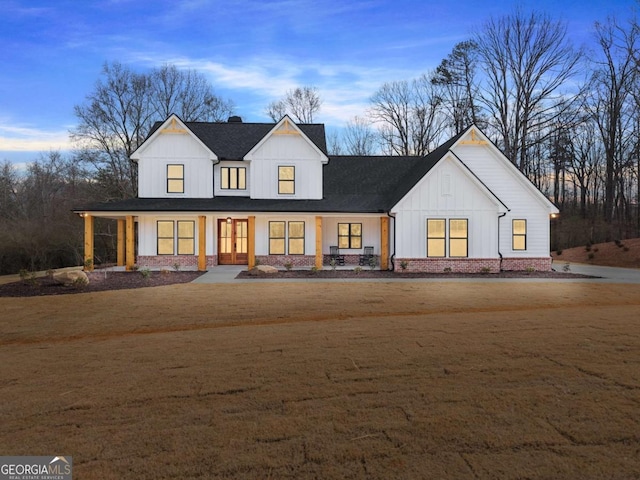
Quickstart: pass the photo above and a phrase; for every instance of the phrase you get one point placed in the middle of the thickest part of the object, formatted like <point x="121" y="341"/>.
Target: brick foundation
<point x="523" y="264"/>
<point x="472" y="265"/>
<point x="188" y="262"/>
<point x="282" y="260"/>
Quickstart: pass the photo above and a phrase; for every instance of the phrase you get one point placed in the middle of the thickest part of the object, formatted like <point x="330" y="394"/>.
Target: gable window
<point x="519" y="229"/>
<point x="165" y="237"/>
<point x="436" y="237"/>
<point x="186" y="237"/>
<point x="349" y="235"/>
<point x="276" y="238"/>
<point x="458" y="237"/>
<point x="175" y="178"/>
<point x="296" y="238"/>
<point x="286" y="180"/>
<point x="233" y="178"/>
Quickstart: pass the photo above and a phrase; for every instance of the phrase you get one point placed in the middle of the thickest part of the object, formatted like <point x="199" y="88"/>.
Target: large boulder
<point x="263" y="270"/>
<point x="71" y="277"/>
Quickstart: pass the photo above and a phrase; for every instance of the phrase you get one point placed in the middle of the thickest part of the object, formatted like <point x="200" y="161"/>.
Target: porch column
<point x="384" y="243"/>
<point x="319" y="243"/>
<point x="120" y="252"/>
<point x="202" y="243"/>
<point x="130" y="258"/>
<point x="88" y="242"/>
<point x="251" y="241"/>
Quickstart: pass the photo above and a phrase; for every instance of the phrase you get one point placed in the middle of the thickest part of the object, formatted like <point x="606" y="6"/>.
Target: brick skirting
<point x="169" y="261"/>
<point x="471" y="265"/>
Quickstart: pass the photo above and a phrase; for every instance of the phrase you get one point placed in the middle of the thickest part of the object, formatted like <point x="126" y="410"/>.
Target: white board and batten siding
<point x="370" y="232"/>
<point x="517" y="193"/>
<point x="448" y="191"/>
<point x="287" y="150"/>
<point x="175" y="149"/>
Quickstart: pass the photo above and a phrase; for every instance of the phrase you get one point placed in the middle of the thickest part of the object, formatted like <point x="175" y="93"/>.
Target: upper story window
<point x="349" y="235"/>
<point x="233" y="178"/>
<point x="175" y="178"/>
<point x="519" y="228"/>
<point x="286" y="180"/>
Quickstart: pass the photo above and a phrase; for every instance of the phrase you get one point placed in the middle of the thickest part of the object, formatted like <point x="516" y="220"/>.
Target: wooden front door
<point x="233" y="242"/>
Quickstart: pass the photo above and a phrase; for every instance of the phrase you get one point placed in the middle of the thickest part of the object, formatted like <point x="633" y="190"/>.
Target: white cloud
<point x="18" y="138"/>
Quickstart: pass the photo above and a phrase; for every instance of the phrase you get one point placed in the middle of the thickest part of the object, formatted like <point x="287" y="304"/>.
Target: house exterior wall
<point x="518" y="195"/>
<point x="446" y="192"/>
<point x="171" y="149"/>
<point x="286" y="150"/>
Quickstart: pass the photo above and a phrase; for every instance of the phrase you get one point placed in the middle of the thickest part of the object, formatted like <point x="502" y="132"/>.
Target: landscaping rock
<point x="263" y="270"/>
<point x="71" y="277"/>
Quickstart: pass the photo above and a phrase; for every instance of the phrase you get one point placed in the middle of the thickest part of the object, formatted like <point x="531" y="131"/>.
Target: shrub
<point x="559" y="252"/>
<point x="314" y="269"/>
<point x="176" y="267"/>
<point x="530" y="269"/>
<point x="404" y="264"/>
<point x="447" y="269"/>
<point x="145" y="272"/>
<point x="88" y="264"/>
<point x="566" y="267"/>
<point x="485" y="270"/>
<point x="587" y="248"/>
<point x="333" y="263"/>
<point x="595" y="249"/>
<point x="79" y="283"/>
<point x="288" y="266"/>
<point x="591" y="256"/>
<point x="617" y="242"/>
<point x="357" y="270"/>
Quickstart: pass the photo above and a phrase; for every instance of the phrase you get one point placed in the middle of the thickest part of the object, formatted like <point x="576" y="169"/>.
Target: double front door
<point x="233" y="241"/>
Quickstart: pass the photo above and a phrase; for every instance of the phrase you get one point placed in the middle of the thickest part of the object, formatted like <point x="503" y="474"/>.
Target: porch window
<point x="175" y="178"/>
<point x="349" y="235"/>
<point x="276" y="238"/>
<point x="165" y="237"/>
<point x="436" y="236"/>
<point x="519" y="229"/>
<point x="296" y="238"/>
<point x="233" y="178"/>
<point x="286" y="180"/>
<point x="458" y="237"/>
<point x="186" y="237"/>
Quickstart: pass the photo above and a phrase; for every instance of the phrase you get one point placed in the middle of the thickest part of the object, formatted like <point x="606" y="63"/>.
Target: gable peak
<point x="286" y="127"/>
<point x="473" y="137"/>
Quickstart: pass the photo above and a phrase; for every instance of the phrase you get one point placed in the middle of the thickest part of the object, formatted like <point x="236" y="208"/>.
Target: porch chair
<point x="366" y="257"/>
<point x="334" y="253"/>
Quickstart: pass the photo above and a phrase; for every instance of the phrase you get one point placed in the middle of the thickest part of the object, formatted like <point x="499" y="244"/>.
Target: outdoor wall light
<point x="229" y="220"/>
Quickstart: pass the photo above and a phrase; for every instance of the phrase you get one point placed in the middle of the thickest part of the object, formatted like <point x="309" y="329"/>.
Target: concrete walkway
<point x="227" y="274"/>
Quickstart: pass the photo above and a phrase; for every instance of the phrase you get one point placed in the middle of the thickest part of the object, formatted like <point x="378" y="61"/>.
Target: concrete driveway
<point x="606" y="274"/>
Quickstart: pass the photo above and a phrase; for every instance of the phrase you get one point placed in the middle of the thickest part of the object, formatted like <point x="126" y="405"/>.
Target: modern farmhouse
<point x="245" y="193"/>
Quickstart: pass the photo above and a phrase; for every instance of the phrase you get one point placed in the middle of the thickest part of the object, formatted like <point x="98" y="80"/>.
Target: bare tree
<point x="611" y="102"/>
<point x="526" y="60"/>
<point x="302" y="103"/>
<point x="188" y="94"/>
<point x="359" y="137"/>
<point x="409" y="116"/>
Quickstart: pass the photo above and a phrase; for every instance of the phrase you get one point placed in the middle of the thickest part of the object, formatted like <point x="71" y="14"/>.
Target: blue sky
<point x="252" y="51"/>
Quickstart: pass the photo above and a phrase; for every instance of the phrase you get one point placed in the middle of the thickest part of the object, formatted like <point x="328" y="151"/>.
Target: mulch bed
<point x="382" y="274"/>
<point x="99" y="281"/>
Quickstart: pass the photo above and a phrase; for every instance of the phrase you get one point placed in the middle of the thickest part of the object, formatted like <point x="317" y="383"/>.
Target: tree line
<point x="568" y="118"/>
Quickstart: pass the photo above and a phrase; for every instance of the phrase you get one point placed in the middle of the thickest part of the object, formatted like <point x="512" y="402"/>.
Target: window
<point x="165" y="237"/>
<point x="349" y="235"/>
<point x="436" y="236"/>
<point x="276" y="238"/>
<point x="519" y="228"/>
<point x="233" y="178"/>
<point x="286" y="180"/>
<point x="175" y="178"/>
<point x="296" y="238"/>
<point x="186" y="230"/>
<point x="186" y="237"/>
<point x="458" y="238"/>
<point x="281" y="235"/>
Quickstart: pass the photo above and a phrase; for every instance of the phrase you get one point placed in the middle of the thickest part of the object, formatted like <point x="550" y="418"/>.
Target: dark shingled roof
<point x="357" y="184"/>
<point x="233" y="140"/>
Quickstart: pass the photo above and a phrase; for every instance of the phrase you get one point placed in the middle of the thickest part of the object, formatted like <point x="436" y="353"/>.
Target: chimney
<point x="235" y="119"/>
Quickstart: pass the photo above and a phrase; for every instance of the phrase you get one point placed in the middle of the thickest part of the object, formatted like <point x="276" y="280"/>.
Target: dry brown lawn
<point x="327" y="380"/>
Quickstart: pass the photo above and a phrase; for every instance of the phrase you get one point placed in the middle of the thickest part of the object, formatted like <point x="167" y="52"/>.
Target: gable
<point x="495" y="170"/>
<point x="449" y="187"/>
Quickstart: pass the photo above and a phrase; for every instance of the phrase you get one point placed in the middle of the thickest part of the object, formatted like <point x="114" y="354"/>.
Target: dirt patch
<point x="624" y="254"/>
<point x="385" y="380"/>
<point x="99" y="281"/>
